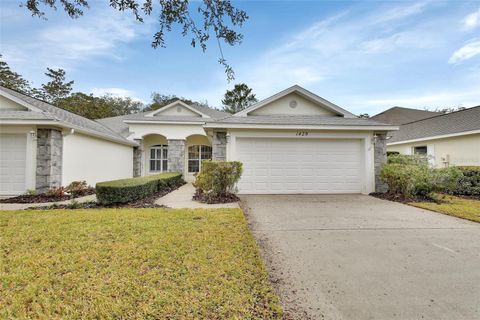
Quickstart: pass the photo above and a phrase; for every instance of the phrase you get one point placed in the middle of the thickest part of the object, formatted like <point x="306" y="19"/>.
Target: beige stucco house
<point x="447" y="139"/>
<point x="291" y="142"/>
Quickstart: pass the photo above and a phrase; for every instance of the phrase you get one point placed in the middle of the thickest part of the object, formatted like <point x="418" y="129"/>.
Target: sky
<point x="364" y="56"/>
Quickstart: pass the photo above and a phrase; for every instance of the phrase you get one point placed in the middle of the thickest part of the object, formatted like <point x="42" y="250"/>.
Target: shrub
<point x="447" y="180"/>
<point x="78" y="189"/>
<point x="407" y="180"/>
<point x="469" y="183"/>
<point x="56" y="192"/>
<point x="412" y="177"/>
<point x="127" y="190"/>
<point x="392" y="153"/>
<point x="218" y="178"/>
<point x="408" y="159"/>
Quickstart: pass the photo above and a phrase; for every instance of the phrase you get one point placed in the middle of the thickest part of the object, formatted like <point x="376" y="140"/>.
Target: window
<point x="196" y="154"/>
<point x="158" y="158"/>
<point x="422" y="150"/>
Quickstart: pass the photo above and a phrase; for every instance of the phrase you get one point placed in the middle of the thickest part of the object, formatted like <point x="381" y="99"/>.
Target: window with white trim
<point x="196" y="154"/>
<point x="421" y="150"/>
<point x="158" y="158"/>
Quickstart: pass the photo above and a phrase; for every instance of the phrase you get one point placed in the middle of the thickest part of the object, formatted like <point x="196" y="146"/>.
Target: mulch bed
<point x="213" y="199"/>
<point x="148" y="202"/>
<point x="42" y="197"/>
<point x="401" y="199"/>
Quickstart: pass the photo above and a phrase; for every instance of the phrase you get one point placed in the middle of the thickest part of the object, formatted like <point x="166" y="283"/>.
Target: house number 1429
<point x="302" y="133"/>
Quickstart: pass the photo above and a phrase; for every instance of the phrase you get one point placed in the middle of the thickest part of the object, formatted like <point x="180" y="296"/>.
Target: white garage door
<point x="12" y="163"/>
<point x="300" y="165"/>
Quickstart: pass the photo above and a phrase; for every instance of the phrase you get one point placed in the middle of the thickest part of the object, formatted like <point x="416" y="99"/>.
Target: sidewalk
<point x="182" y="198"/>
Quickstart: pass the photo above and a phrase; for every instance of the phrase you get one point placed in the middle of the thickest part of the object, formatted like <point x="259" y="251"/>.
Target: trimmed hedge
<point x="127" y="190"/>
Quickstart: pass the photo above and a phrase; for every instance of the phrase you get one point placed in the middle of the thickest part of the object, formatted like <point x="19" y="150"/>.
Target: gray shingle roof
<point x="215" y="114"/>
<point x="23" y="115"/>
<point x="300" y="120"/>
<point x="455" y="122"/>
<point x="118" y="125"/>
<point x="70" y="119"/>
<point x="399" y="115"/>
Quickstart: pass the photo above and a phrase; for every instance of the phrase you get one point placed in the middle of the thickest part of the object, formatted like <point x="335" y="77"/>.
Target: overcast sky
<point x="364" y="56"/>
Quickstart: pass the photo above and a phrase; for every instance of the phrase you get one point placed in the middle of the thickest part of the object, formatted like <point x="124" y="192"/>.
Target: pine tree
<point x="56" y="88"/>
<point x="12" y="80"/>
<point x="238" y="98"/>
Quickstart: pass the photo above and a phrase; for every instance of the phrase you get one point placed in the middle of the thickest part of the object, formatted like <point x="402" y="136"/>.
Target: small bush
<point x="79" y="188"/>
<point x="127" y="190"/>
<point x="408" y="159"/>
<point x="469" y="183"/>
<point x="446" y="180"/>
<point x="218" y="178"/>
<point x="407" y="180"/>
<point x="56" y="192"/>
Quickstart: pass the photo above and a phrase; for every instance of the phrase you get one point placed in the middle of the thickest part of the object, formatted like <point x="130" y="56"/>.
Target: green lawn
<point x="132" y="264"/>
<point x="454" y="206"/>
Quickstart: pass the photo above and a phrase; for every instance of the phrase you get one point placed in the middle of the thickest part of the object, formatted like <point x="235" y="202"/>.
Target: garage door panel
<point x="300" y="166"/>
<point x="12" y="163"/>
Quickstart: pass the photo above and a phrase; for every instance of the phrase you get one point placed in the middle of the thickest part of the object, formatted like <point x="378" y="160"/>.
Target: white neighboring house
<point x="293" y="142"/>
<point x="447" y="139"/>
<point x="42" y="146"/>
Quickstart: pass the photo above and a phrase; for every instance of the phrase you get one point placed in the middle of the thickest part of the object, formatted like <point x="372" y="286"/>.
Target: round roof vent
<point x="293" y="104"/>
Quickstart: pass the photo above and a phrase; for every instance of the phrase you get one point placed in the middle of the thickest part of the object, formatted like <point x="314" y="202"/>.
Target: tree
<point x="56" y="88"/>
<point x="160" y="100"/>
<point x="238" y="98"/>
<point x="12" y="80"/>
<point x="446" y="109"/>
<point x="217" y="17"/>
<point x="93" y="107"/>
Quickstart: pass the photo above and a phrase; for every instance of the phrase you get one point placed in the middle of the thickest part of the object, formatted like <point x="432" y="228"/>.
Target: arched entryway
<point x="156" y="153"/>
<point x="198" y="149"/>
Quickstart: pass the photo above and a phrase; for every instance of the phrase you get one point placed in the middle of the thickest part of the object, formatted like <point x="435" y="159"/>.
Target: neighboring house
<point x="400" y="115"/>
<point x="43" y="146"/>
<point x="292" y="142"/>
<point x="448" y="139"/>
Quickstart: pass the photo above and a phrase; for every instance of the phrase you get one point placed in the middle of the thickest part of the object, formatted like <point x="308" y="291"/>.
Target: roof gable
<point x="10" y="105"/>
<point x="179" y="109"/>
<point x="295" y="100"/>
<point x="9" y="101"/>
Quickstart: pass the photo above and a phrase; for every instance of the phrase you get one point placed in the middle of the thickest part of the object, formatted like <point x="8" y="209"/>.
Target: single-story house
<point x="447" y="139"/>
<point x="291" y="142"/>
<point x="42" y="146"/>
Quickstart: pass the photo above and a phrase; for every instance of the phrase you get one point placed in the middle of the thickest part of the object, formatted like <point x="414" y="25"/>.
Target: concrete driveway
<point x="358" y="257"/>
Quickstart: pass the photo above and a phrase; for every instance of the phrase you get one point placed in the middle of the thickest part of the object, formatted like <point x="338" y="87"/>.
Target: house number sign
<point x="302" y="133"/>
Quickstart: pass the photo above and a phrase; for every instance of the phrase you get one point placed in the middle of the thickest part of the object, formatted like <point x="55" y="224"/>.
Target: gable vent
<point x="293" y="104"/>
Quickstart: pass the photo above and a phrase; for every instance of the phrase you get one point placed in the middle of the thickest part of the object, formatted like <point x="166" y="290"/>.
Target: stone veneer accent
<point x="138" y="158"/>
<point x="49" y="159"/>
<point x="380" y="158"/>
<point x="176" y="155"/>
<point x="219" y="146"/>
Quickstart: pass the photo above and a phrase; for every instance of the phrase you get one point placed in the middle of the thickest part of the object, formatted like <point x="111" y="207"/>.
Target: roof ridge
<point x="442" y="114"/>
<point x="405" y="108"/>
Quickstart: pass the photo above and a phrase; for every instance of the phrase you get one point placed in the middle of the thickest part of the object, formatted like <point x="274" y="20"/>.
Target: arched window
<point x="158" y="158"/>
<point x="196" y="154"/>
